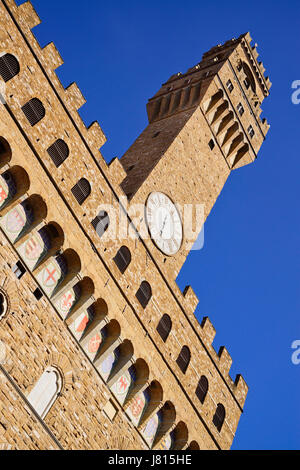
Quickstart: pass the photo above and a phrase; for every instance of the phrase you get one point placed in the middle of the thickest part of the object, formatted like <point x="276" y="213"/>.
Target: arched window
<point x="3" y="305"/>
<point x="9" y="67"/>
<point x="59" y="152"/>
<point x="249" y="80"/>
<point x="202" y="389"/>
<point x="164" y="327"/>
<point x="8" y="188"/>
<point x="183" y="359"/>
<point x="34" y="111"/>
<point x="219" y="417"/>
<point x="5" y="151"/>
<point x="193" y="446"/>
<point x="81" y="190"/>
<point x="101" y="223"/>
<point x="123" y="259"/>
<point x="45" y="391"/>
<point x="144" y="294"/>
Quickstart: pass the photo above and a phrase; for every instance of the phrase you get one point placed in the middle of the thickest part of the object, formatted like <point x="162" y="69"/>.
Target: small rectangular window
<point x="240" y="109"/>
<point x="246" y="83"/>
<point x="251" y="131"/>
<point x="38" y="294"/>
<point x="211" y="144"/>
<point x="19" y="270"/>
<point x="229" y="85"/>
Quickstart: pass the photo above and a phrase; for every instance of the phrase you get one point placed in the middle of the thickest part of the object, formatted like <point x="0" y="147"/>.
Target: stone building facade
<point x="99" y="348"/>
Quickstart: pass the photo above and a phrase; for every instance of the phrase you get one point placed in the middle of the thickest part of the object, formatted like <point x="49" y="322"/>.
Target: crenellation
<point x="241" y="390"/>
<point x="51" y="56"/>
<point x="74" y="97"/>
<point x="225" y="360"/>
<point x="26" y="14"/>
<point x="95" y="136"/>
<point x="190" y="299"/>
<point x="116" y="172"/>
<point x="208" y="330"/>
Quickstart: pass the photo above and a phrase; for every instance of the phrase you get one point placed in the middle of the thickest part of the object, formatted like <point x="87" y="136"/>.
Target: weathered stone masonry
<point x="40" y="331"/>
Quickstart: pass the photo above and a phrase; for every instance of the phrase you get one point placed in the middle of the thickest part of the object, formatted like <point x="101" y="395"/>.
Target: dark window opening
<point x="183" y="359"/>
<point x="81" y="190"/>
<point x="240" y="109"/>
<point x="155" y="135"/>
<point x="19" y="270"/>
<point x="251" y="131"/>
<point x="229" y="85"/>
<point x="58" y="152"/>
<point x="164" y="327"/>
<point x="249" y="80"/>
<point x="144" y="294"/>
<point x="38" y="294"/>
<point x="2" y="305"/>
<point x="101" y="223"/>
<point x="246" y="83"/>
<point x="9" y="67"/>
<point x="123" y="259"/>
<point x="2" y="148"/>
<point x="219" y="417"/>
<point x="52" y="230"/>
<point x="211" y="144"/>
<point x="34" y="111"/>
<point x="202" y="389"/>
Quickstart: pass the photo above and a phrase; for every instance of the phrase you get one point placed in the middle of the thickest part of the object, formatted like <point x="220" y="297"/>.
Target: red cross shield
<point x="50" y="276"/>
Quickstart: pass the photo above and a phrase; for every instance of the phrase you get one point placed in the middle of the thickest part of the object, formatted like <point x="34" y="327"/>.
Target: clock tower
<point x="203" y="124"/>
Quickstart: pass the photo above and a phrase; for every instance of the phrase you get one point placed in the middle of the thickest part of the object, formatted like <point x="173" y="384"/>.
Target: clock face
<point x="164" y="223"/>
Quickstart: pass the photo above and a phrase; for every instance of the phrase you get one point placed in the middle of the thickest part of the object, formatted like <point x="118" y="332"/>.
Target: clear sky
<point x="247" y="275"/>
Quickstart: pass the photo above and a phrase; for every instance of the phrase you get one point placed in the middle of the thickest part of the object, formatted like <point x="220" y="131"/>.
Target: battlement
<point x="185" y="90"/>
<point x="222" y="358"/>
<point x="50" y="59"/>
<point x="252" y="53"/>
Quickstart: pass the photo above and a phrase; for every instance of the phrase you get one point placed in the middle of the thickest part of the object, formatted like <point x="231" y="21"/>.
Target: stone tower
<point x="99" y="348"/>
<point x="202" y="125"/>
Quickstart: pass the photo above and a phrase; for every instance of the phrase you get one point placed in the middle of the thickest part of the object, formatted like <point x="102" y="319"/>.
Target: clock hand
<point x="163" y="226"/>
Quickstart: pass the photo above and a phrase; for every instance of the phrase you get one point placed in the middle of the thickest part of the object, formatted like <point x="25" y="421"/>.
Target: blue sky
<point x="247" y="275"/>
